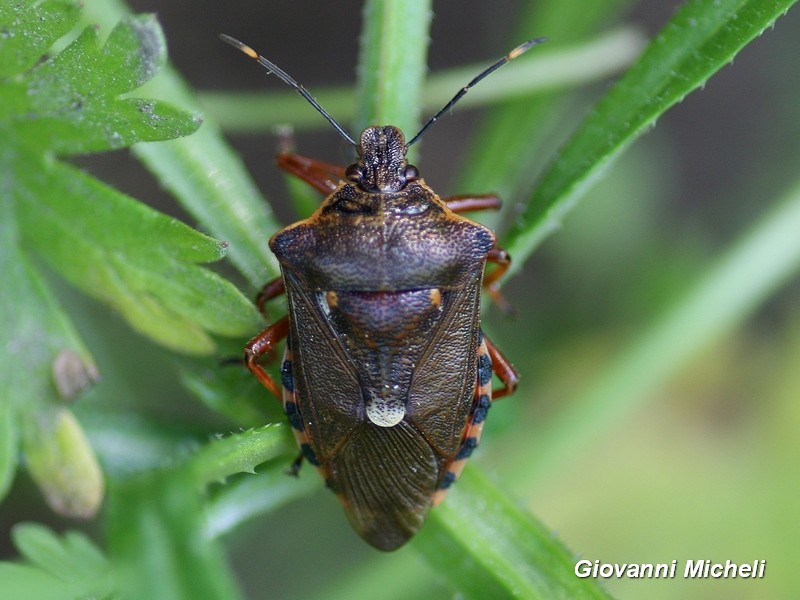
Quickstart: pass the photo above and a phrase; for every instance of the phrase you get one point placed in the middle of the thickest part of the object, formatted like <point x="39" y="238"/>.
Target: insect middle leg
<point x="262" y="344"/>
<point x="272" y="289"/>
<point x="504" y="370"/>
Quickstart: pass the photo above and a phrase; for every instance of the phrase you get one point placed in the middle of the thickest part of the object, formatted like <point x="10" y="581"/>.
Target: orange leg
<point x="498" y="256"/>
<point x="470" y="202"/>
<point x="323" y="176"/>
<point x="491" y="282"/>
<point x="503" y="369"/>
<point x="263" y="344"/>
<point x="272" y="289"/>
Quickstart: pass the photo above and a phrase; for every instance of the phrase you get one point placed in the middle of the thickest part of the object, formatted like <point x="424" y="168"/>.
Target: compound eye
<point x="354" y="173"/>
<point x="411" y="173"/>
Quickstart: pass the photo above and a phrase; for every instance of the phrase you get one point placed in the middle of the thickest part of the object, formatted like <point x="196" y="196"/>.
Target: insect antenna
<point x="485" y="73"/>
<point x="271" y="67"/>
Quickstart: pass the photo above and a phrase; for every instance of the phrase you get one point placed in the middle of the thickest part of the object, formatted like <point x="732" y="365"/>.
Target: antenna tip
<point x="240" y="45"/>
<point x="524" y="47"/>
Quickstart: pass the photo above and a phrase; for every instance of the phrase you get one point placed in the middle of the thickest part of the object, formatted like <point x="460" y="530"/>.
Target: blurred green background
<point x="703" y="464"/>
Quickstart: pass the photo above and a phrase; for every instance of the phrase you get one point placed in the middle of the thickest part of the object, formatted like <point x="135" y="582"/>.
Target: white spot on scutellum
<point x="385" y="410"/>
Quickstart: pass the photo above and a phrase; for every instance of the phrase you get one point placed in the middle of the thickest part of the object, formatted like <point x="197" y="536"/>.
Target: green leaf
<point x="700" y="39"/>
<point x="514" y="139"/>
<point x="502" y="551"/>
<point x="140" y="262"/>
<point x="130" y="443"/>
<point x="143" y="263"/>
<point x="36" y="335"/>
<point x="211" y="183"/>
<point x="232" y="392"/>
<point x="24" y="581"/>
<point x="70" y="104"/>
<point x="56" y="567"/>
<point x="129" y="256"/>
<point x="155" y="544"/>
<point x="239" y="453"/>
<point x="28" y="30"/>
<point x="71" y="557"/>
<point x="8" y="447"/>
<point x="35" y="330"/>
<point x="204" y="174"/>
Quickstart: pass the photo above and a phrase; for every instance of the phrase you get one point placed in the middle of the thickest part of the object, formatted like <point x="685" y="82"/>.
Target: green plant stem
<point x="155" y="544"/>
<point x="526" y="129"/>
<point x="392" y="63"/>
<point x="506" y="555"/>
<point x="749" y="273"/>
<point x="247" y="498"/>
<point x="699" y="40"/>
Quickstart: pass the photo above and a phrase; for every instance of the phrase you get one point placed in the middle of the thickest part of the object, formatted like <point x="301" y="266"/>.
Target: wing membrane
<point x="385" y="478"/>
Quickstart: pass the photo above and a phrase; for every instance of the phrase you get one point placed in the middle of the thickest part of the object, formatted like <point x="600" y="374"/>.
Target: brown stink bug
<point x="387" y="376"/>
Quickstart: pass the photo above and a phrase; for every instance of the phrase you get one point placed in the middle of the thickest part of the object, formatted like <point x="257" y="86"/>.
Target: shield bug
<point x="386" y="377"/>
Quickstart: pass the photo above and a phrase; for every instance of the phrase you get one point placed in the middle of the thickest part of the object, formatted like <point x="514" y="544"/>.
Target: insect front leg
<point x="504" y="370"/>
<point x="320" y="175"/>
<point x="272" y="289"/>
<point x="498" y="256"/>
<point x="471" y="202"/>
<point x="263" y="344"/>
<point x="502" y="259"/>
